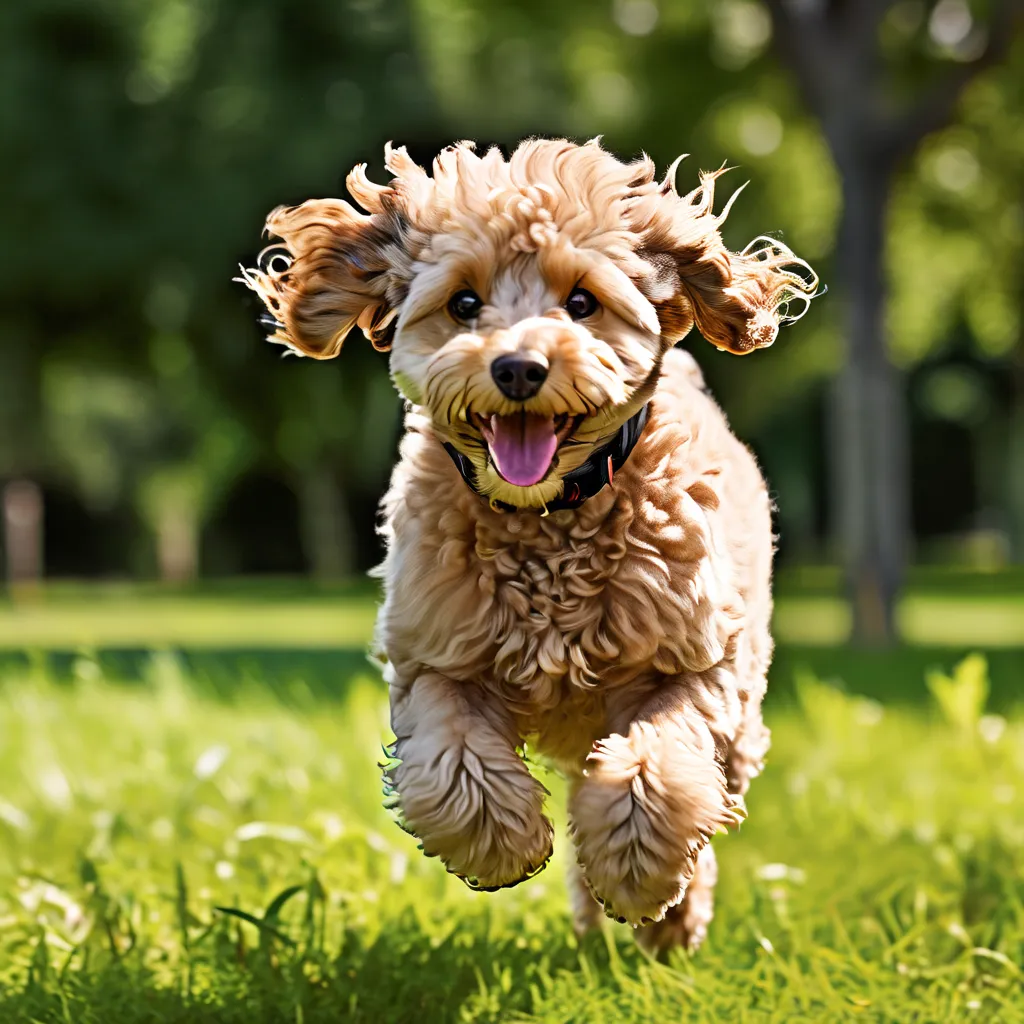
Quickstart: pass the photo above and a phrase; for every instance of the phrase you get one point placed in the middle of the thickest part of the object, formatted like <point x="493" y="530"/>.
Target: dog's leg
<point x="586" y="911"/>
<point x="651" y="799"/>
<point x="686" y="924"/>
<point x="747" y="750"/>
<point x="461" y="787"/>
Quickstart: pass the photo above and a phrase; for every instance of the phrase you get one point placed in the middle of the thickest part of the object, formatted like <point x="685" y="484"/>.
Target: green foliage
<point x="149" y="140"/>
<point x="962" y="695"/>
<point x="170" y="855"/>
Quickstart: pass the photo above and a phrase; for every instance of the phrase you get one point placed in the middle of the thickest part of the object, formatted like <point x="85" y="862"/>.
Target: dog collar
<point x="584" y="481"/>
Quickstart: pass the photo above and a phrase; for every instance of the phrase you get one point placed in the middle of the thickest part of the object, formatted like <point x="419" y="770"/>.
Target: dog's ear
<point x="737" y="300"/>
<point x="333" y="269"/>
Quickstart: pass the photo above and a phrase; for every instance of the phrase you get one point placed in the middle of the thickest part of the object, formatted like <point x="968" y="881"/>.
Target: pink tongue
<point x="522" y="446"/>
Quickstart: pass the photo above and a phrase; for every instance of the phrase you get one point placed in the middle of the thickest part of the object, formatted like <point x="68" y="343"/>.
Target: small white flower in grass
<point x="925" y="832"/>
<point x="224" y="870"/>
<point x="781" y="873"/>
<point x="868" y="712"/>
<point x="399" y="864"/>
<point x="331" y="825"/>
<point x="162" y="830"/>
<point x="14" y="816"/>
<point x="54" y="784"/>
<point x="375" y="841"/>
<point x="39" y="894"/>
<point x="272" y="830"/>
<point x="102" y="820"/>
<point x="210" y="760"/>
<point x="766" y="944"/>
<point x="991" y="728"/>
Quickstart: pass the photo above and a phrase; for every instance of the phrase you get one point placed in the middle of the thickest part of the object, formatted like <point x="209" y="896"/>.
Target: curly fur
<point x="627" y="639"/>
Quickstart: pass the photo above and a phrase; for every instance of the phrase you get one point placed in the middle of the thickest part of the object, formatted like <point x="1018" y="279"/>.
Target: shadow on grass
<point x="406" y="974"/>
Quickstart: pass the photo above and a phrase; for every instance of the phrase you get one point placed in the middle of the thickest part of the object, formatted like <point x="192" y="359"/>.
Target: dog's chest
<point x="561" y="626"/>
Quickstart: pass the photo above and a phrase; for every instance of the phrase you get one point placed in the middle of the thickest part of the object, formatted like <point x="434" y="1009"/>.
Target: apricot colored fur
<point x="627" y="640"/>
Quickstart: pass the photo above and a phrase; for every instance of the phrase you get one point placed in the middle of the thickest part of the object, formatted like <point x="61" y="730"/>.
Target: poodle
<point x="579" y="550"/>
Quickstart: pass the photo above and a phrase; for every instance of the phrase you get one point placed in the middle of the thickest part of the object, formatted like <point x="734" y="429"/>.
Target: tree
<point x="152" y="142"/>
<point x="849" y="80"/>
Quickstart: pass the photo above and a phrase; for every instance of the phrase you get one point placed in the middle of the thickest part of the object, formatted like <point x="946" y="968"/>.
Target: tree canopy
<point x="144" y="144"/>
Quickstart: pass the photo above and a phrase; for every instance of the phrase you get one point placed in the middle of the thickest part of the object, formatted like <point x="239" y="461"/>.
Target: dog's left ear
<point x="737" y="300"/>
<point x="333" y="269"/>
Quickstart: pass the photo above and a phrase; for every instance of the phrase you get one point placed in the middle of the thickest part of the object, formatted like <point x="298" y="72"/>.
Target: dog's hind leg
<point x="649" y="803"/>
<point x="586" y="911"/>
<point x="686" y="924"/>
<point x="748" y="748"/>
<point x="460" y="785"/>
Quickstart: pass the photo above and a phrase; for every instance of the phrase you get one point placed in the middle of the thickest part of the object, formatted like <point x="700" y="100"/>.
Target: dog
<point x="579" y="550"/>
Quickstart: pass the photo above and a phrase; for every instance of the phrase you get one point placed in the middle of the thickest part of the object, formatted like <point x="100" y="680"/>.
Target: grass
<point x="880" y="876"/>
<point x="951" y="610"/>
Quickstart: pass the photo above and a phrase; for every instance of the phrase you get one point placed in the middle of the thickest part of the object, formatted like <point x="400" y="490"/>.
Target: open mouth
<point x="523" y="444"/>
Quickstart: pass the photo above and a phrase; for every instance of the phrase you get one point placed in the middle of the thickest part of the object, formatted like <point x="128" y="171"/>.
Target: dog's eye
<point x="465" y="305"/>
<point x="581" y="304"/>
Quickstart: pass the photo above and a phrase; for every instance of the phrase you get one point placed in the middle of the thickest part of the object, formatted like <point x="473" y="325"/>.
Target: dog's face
<point x="525" y="358"/>
<point x="527" y="303"/>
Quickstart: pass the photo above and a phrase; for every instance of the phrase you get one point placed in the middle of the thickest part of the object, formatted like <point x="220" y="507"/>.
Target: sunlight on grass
<point x="975" y="621"/>
<point x="188" y="622"/>
<point x="147" y="619"/>
<point x="879" y="876"/>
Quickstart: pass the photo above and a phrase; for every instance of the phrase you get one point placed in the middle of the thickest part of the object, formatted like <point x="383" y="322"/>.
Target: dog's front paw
<point x="466" y="794"/>
<point x="505" y="867"/>
<point x="495" y="846"/>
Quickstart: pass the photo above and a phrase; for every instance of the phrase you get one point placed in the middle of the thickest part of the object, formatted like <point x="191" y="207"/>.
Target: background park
<point x="190" y="819"/>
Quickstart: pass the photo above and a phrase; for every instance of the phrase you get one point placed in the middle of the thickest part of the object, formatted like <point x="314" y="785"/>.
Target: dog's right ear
<point x="333" y="269"/>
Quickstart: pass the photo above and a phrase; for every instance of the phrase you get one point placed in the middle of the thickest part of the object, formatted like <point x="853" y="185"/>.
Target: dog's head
<point x="527" y="302"/>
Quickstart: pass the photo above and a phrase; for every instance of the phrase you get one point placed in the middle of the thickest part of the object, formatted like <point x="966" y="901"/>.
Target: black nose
<point x="519" y="377"/>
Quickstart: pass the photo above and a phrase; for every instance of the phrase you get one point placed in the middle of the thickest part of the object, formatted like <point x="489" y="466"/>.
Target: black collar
<point x="582" y="483"/>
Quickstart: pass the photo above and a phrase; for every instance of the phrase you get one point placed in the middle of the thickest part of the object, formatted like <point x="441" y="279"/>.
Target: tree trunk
<point x="869" y="431"/>
<point x="177" y="543"/>
<point x="327" y="534"/>
<point x="1015" y="461"/>
<point x="23" y="532"/>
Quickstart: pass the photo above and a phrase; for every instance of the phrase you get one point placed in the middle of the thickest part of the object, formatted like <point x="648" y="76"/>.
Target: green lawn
<point x="880" y="876"/>
<point x="953" y="611"/>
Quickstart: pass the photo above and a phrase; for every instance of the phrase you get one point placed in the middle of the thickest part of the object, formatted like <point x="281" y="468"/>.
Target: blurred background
<point x="189" y="728"/>
<point x="148" y="433"/>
